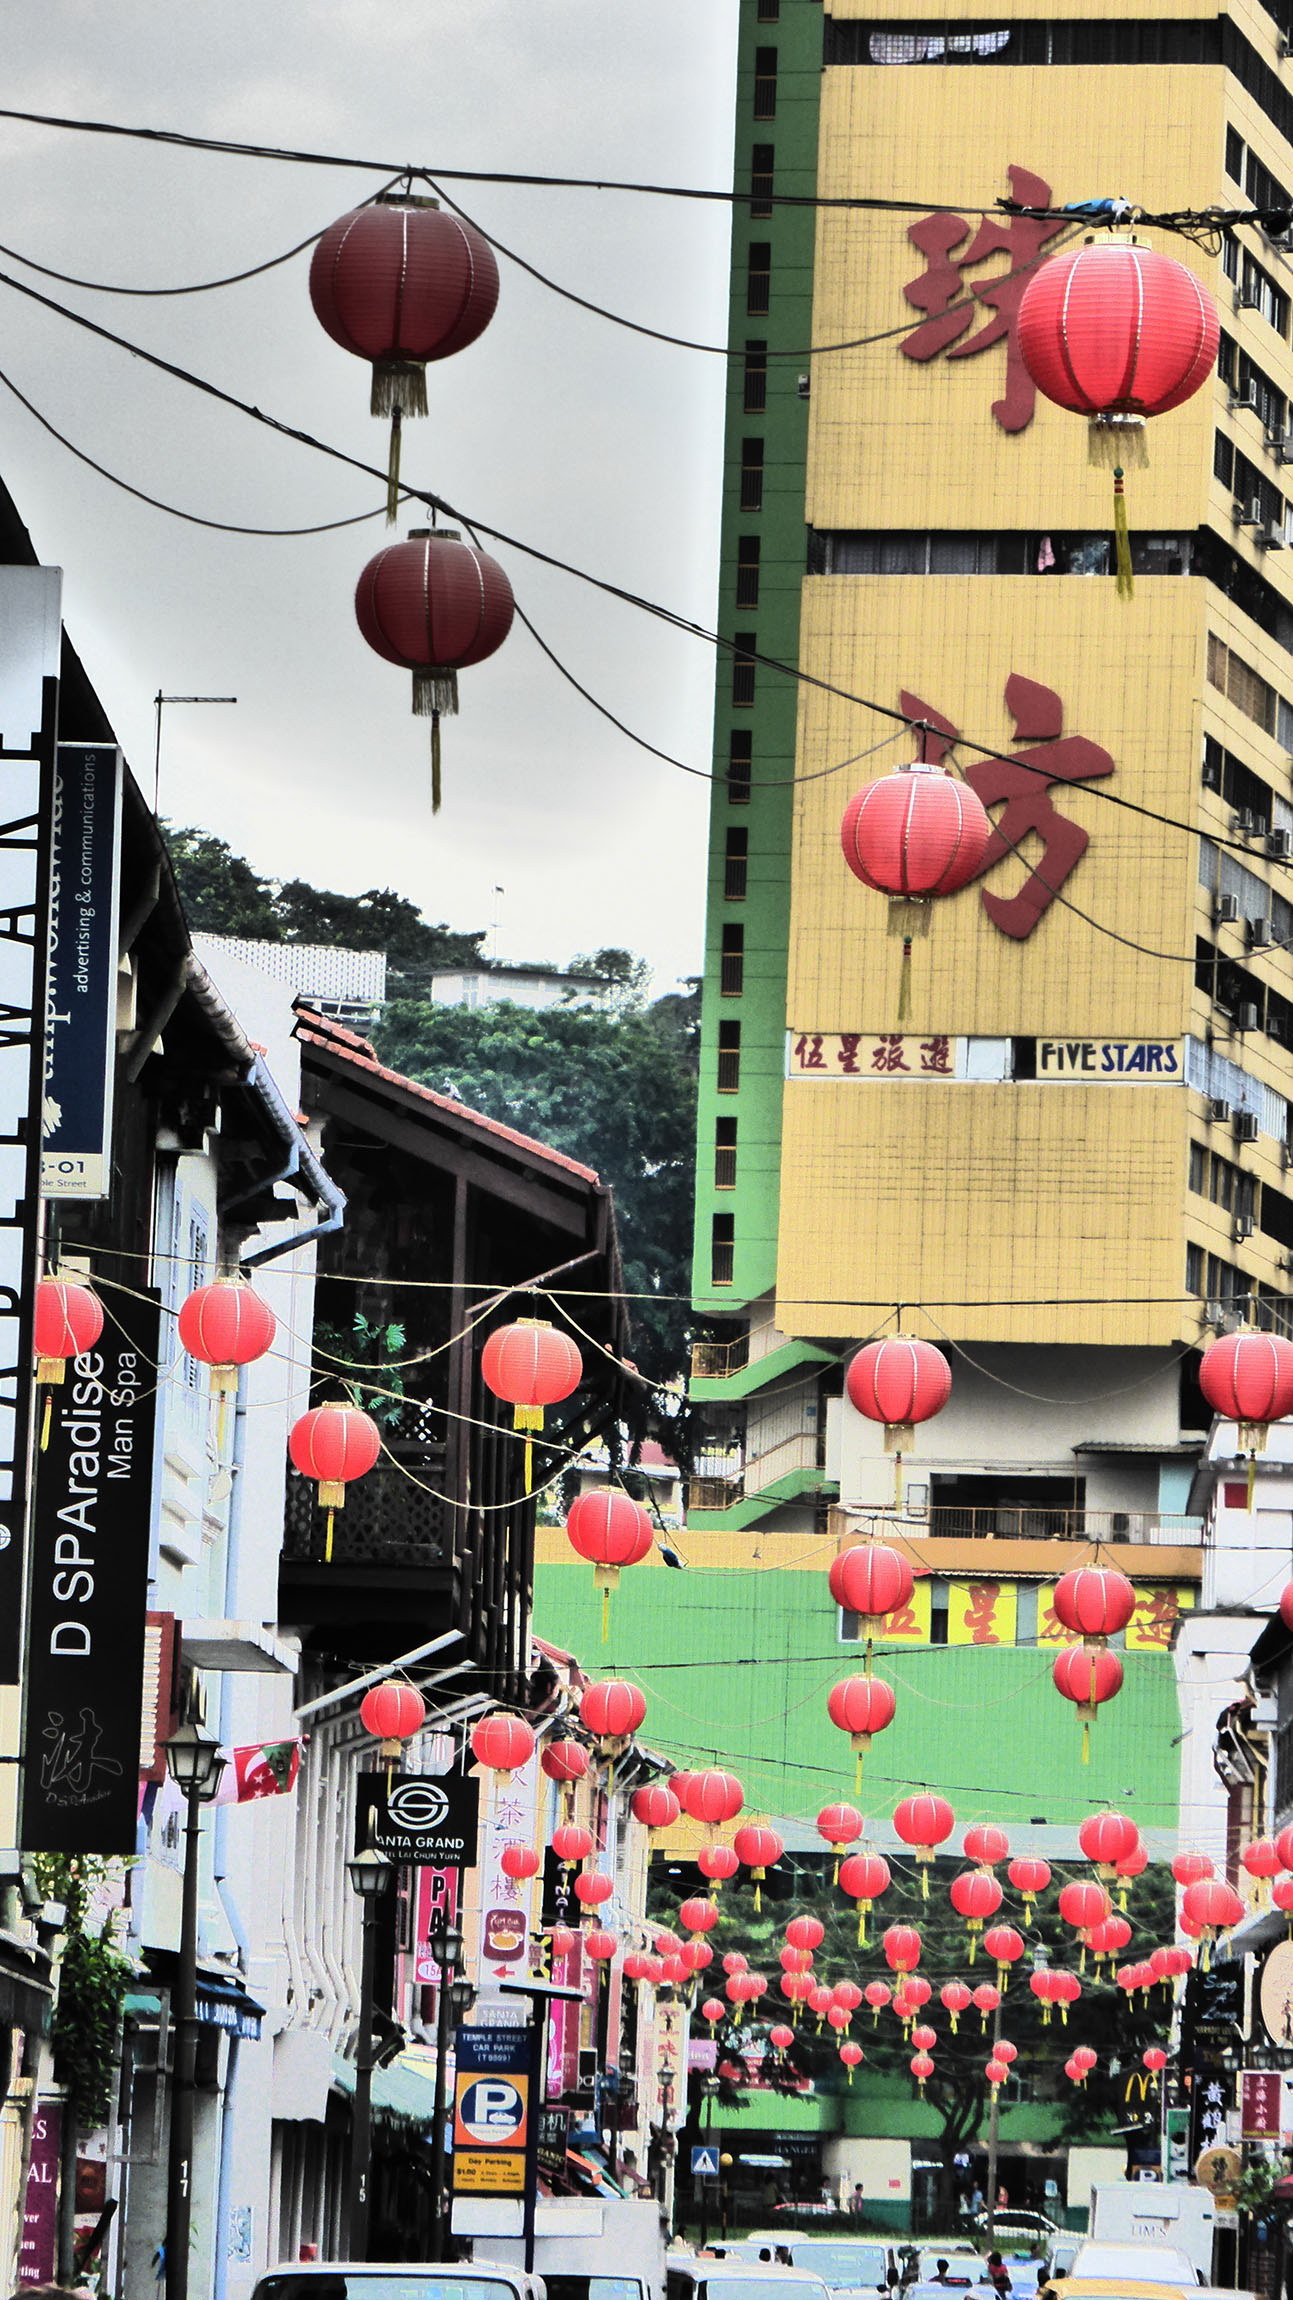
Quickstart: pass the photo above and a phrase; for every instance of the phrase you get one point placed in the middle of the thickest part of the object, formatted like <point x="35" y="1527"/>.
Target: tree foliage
<point x="92" y="1984"/>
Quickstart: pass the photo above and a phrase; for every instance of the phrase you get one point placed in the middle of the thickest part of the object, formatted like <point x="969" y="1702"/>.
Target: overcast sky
<point x="581" y="437"/>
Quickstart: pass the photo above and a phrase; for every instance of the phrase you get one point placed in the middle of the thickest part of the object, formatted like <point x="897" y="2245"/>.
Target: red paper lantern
<point x="502" y="1743"/>
<point x="67" y="1321"/>
<point x="611" y="1710"/>
<point x="698" y="1915"/>
<point x="1029" y="1876"/>
<point x="877" y="1994"/>
<point x="985" y="1844"/>
<point x="713" y="1796"/>
<point x="921" y="2064"/>
<point x="820" y="2000"/>
<point x="1005" y="1946"/>
<point x="734" y="1962"/>
<point x="955" y="1999"/>
<point x="901" y="1945"/>
<point x="401" y="283"/>
<point x="758" y="1848"/>
<point x="1083" y="1904"/>
<point x="1154" y="2058"/>
<point x="1083" y="2057"/>
<point x="1066" y="1988"/>
<point x="805" y="1933"/>
<point x="864" y="1876"/>
<point x="871" y="1581"/>
<point x="1130" y="1866"/>
<point x="798" y="1987"/>
<point x="923" y="2037"/>
<point x="975" y="1895"/>
<point x="717" y="1862"/>
<point x="986" y="1999"/>
<point x="435" y="605"/>
<point x="593" y="1887"/>
<point x="1248" y="1378"/>
<point x="1004" y="2050"/>
<point x="611" y="1530"/>
<point x="899" y="1381"/>
<point x="696" y="1954"/>
<point x="1261" y="1858"/>
<point x="850" y="2054"/>
<point x="713" y="2010"/>
<point x="655" y="1806"/>
<point x="392" y="1714"/>
<point x="923" y="1822"/>
<point x="848" y="1996"/>
<point x="333" y="1444"/>
<point x="1093" y="1602"/>
<point x="1282" y="1896"/>
<point x="996" y="2072"/>
<point x="532" y="1364"/>
<point x="839" y="1824"/>
<point x="564" y="1940"/>
<point x="565" y="1761"/>
<point x="636" y="1965"/>
<point x="1110" y="1936"/>
<point x="780" y="2038"/>
<point x="914" y="834"/>
<point x="1213" y="1906"/>
<point x="1192" y="1868"/>
<point x="1073" y="2072"/>
<point x="1106" y="1839"/>
<point x="225" y="1326"/>
<point x="571" y="1844"/>
<point x="599" y="1945"/>
<point x="519" y="1861"/>
<point x="860" y="1707"/>
<point x="795" y="1960"/>
<point x="1086" y="1678"/>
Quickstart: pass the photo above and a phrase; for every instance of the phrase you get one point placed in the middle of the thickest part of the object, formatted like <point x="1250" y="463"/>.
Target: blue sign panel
<point x="81" y="999"/>
<point x="704" y="2164"/>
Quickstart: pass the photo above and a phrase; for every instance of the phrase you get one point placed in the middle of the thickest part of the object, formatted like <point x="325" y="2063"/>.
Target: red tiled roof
<point x="320" y="1030"/>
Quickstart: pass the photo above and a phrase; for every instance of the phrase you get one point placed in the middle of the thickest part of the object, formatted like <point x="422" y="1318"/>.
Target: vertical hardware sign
<point x="89" y="1594"/>
<point x="80" y="1009"/>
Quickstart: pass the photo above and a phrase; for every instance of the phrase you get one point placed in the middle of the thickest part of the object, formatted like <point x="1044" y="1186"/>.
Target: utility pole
<point x="158" y="700"/>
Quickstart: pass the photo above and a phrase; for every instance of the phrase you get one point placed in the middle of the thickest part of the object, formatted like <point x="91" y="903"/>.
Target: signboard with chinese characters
<point x="909" y="1624"/>
<point x="1275" y="1994"/>
<point x="435" y="1905"/>
<point x="505" y="1902"/>
<point x="81" y="1004"/>
<point x="981" y="1612"/>
<point x="1259" y="2104"/>
<point x="490" y="2107"/>
<point x="976" y="1061"/>
<point x="89" y="1592"/>
<point x="669" y="2093"/>
<point x="1212" y="2097"/>
<point x="1157" y="1612"/>
<point x="421" y="1820"/>
<point x="848" y="1054"/>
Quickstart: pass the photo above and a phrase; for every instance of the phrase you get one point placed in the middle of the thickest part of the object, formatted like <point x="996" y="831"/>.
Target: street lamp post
<point x="369" y="1873"/>
<point x="445" y="1944"/>
<point x="195" y="1765"/>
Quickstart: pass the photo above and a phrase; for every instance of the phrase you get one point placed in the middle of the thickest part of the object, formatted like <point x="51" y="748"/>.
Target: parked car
<point x="845" y="2263"/>
<point x="1008" y="2223"/>
<point x="1134" y="2262"/>
<point x="702" y="2279"/>
<point x="373" y="2280"/>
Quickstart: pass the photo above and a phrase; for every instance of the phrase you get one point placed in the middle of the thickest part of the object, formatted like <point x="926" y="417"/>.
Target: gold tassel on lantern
<point x="907" y="918"/>
<point x="435" y="696"/>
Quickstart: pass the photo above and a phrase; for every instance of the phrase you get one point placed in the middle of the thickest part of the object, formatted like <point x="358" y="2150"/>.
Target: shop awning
<point x="403" y="2093"/>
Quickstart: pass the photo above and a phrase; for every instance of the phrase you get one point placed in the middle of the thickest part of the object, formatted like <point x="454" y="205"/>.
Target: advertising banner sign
<point x="491" y="2105"/>
<point x="81" y="1000"/>
<point x="89" y="1593"/>
<point x="421" y="1820"/>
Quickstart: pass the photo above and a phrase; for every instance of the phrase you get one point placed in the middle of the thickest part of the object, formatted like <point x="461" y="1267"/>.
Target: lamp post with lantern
<point x="195" y="1764"/>
<point x="454" y="1998"/>
<point x="369" y="1874"/>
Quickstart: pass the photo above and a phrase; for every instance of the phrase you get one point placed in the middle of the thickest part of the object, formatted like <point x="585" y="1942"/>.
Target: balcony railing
<point x="390" y="1517"/>
<point x="714" y="1361"/>
<point x="1005" y="1522"/>
<point x="803" y="1449"/>
<point x="715" y="1492"/>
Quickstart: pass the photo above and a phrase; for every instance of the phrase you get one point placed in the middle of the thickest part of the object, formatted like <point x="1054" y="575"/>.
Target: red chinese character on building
<point x="808" y="1053"/>
<point x="936" y="1055"/>
<point x="1156" y="1615"/>
<point x="902" y="1622"/>
<point x="1022" y="787"/>
<point x="981" y="1612"/>
<point x="887" y="1054"/>
<point x="940" y="289"/>
<point x="849" y="1043"/>
<point x="1050" y="1629"/>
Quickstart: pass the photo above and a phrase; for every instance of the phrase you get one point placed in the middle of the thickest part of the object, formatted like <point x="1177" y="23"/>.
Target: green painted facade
<point x="780" y="428"/>
<point x="736" y="1666"/>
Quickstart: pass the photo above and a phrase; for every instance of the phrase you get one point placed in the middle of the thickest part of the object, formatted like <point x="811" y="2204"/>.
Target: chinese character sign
<point x="847" y="1054"/>
<point x="1156" y="1615"/>
<point x="981" y="1613"/>
<point x="505" y="1902"/>
<point x="953" y="304"/>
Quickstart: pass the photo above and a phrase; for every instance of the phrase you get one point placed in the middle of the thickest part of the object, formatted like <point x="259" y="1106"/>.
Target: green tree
<point x="220" y="891"/>
<point x="616" y="1092"/>
<point x="628" y="975"/>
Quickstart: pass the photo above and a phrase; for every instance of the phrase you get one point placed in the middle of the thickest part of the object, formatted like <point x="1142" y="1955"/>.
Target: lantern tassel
<point x="45" y="1421"/>
<point x="861" y="1928"/>
<point x="1121" y="542"/>
<point x="924" y="1883"/>
<point x="904" y="1015"/>
<point x="1086" y="1743"/>
<point x="1252" y="1475"/>
<point x="857" y="1775"/>
<point x="220" y="1424"/>
<point x="757" y="1903"/>
<point x="435" y="762"/>
<point x="606" y="1595"/>
<point x="327" y="1541"/>
<point x="393" y="467"/>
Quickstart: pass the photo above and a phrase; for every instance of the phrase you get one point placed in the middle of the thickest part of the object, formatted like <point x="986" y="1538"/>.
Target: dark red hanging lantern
<point x="860" y="1707"/>
<point x="226" y="1326"/>
<point x="529" y="1365"/>
<point x="1086" y="1679"/>
<point x="611" y="1530"/>
<point x="758" y="1848"/>
<point x="655" y="1806"/>
<point x="1106" y="1839"/>
<point x="872" y="1581"/>
<point x="1117" y="333"/>
<point x="333" y="1444"/>
<point x="924" y="1822"/>
<point x="68" y="1320"/>
<point x="914" y="835"/>
<point x="401" y="283"/>
<point x="435" y="605"/>
<point x="864" y="1877"/>
<point x="392" y="1714"/>
<point x="1247" y="1378"/>
<point x="898" y="1381"/>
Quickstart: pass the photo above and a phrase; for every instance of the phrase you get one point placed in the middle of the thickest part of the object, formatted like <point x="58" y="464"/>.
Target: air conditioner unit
<point x="1259" y="934"/>
<point x="1211" y="776"/>
<point x="1249" y="512"/>
<point x="1272" y="535"/>
<point x="1279" y="845"/>
<point x="1219" y="1112"/>
<point x="1243" y="823"/>
<point x="1274" y="437"/>
<point x="1243" y="1225"/>
<point x="1226" y="910"/>
<point x="1283" y="448"/>
<point x="803" y="385"/>
<point x="1248" y="1016"/>
<point x="1245" y="1126"/>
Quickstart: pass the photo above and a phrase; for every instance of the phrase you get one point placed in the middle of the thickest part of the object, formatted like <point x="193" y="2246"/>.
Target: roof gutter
<point x="301" y="1167"/>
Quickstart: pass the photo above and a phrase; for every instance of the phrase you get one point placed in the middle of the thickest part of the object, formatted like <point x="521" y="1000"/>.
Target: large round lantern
<point x="564" y="1761"/>
<point x="1282" y="1897"/>
<point x="1261" y="1861"/>
<point x="1247" y="1378"/>
<point x="877" y="1994"/>
<point x="713" y="1797"/>
<point x="713" y="2010"/>
<point x="1094" y="1602"/>
<point x="1106" y="1839"/>
<point x="839" y="1825"/>
<point x="1213" y="1906"/>
<point x="795" y="1960"/>
<point x="696" y="1954"/>
<point x="610" y="1529"/>
<point x="864" y="1876"/>
<point x="975" y="1895"/>
<point x="611" y="1710"/>
<point x="519" y="1862"/>
<point x="392" y="1714"/>
<point x="901" y="1945"/>
<point x="1154" y="2059"/>
<point x="871" y="1581"/>
<point x="530" y="1365"/>
<point x="333" y="1444"/>
<point x="850" y="2054"/>
<point x="1083" y="1906"/>
<point x="805" y="1933"/>
<point x="401" y="283"/>
<point x="1066" y="1988"/>
<point x="860" y="1706"/>
<point x="985" y="2000"/>
<point x="593" y="1887"/>
<point x="717" y="1862"/>
<point x="820" y="2001"/>
<point x="758" y="1848"/>
<point x="924" y="1821"/>
<point x="67" y="1321"/>
<point x="563" y="1941"/>
<point x="1005" y="1946"/>
<point x="1128" y="1867"/>
<point x="697" y="1914"/>
<point x="848" y="1996"/>
<point x="1189" y="1868"/>
<point x="655" y="1806"/>
<point x="502" y="1743"/>
<point x="735" y="1961"/>
<point x="921" y="2068"/>
<point x="1086" y="1679"/>
<point x="955" y="1999"/>
<point x="985" y="1844"/>
<point x="1116" y="332"/>
<point x="1029" y="1876"/>
<point x="435" y="605"/>
<point x="914" y="835"/>
<point x="780" y="2038"/>
<point x="898" y="1381"/>
<point x="571" y="1843"/>
<point x="225" y="1326"/>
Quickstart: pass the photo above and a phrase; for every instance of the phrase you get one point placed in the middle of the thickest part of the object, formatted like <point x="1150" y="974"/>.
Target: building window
<point x="1234" y="156"/>
<point x="740" y="759"/>
<point x="768" y="11"/>
<point x="751" y="475"/>
<point x="756" y="377"/>
<point x="743" y="670"/>
<point x="762" y="168"/>
<point x="758" y="276"/>
<point x="1198" y="1169"/>
<point x="725" y="1154"/>
<point x="732" y="969"/>
<point x="722" y="1251"/>
<point x="747" y="570"/>
<point x="735" y="865"/>
<point x="729" y="1057"/>
<point x="765" y="83"/>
